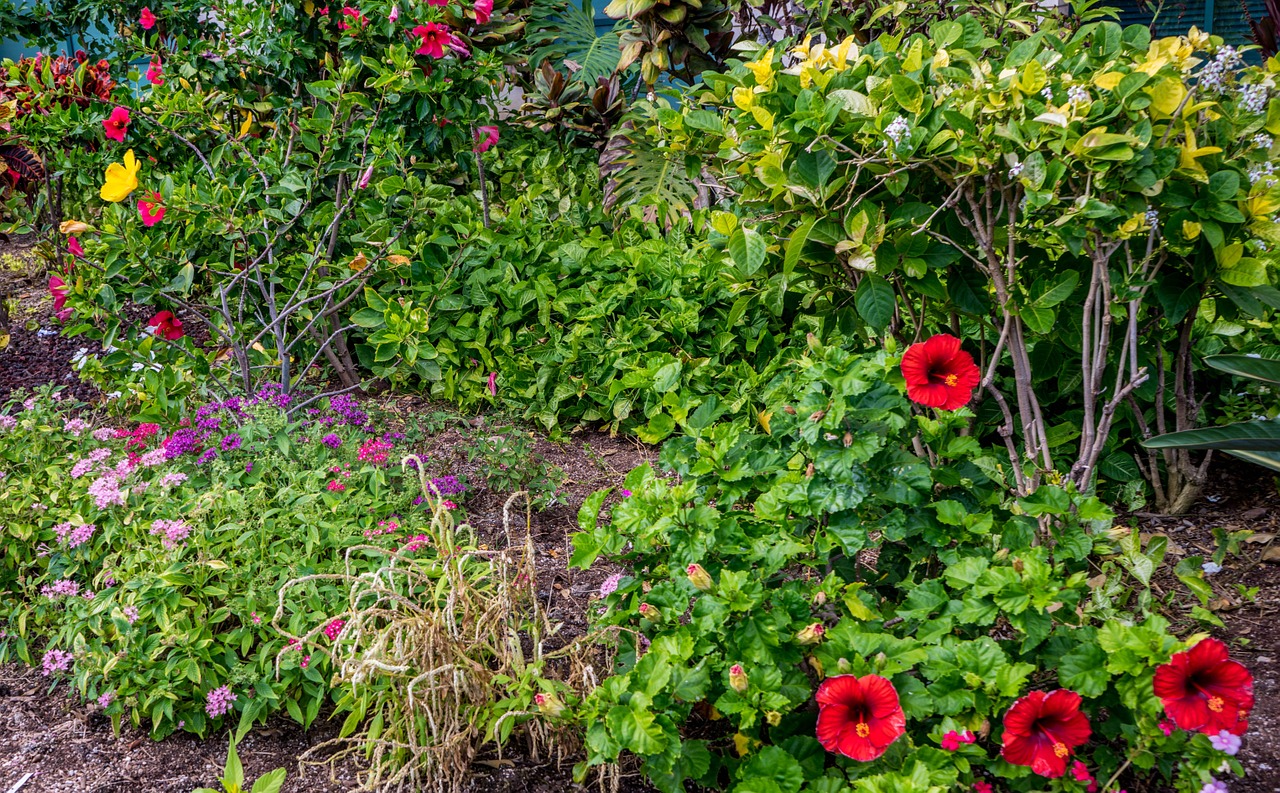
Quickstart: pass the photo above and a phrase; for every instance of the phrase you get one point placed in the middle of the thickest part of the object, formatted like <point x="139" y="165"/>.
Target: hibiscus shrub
<point x="850" y="594"/>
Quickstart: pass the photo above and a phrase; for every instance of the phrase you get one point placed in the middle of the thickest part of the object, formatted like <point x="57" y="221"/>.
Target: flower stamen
<point x="1060" y="749"/>
<point x="862" y="730"/>
<point x="1216" y="704"/>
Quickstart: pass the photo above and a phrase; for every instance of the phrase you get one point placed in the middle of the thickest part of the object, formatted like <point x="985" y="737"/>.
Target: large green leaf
<point x="566" y="32"/>
<point x="1265" y="369"/>
<point x="1251" y="436"/>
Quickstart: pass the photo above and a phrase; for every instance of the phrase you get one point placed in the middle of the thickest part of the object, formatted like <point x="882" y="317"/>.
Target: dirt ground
<point x="51" y="743"/>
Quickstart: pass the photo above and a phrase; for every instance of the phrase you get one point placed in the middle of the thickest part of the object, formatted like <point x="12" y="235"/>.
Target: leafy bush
<point x="823" y="545"/>
<point x="145" y="564"/>
<point x="1045" y="186"/>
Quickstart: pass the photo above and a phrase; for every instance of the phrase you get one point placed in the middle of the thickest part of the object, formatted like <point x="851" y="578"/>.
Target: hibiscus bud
<point x="817" y="415"/>
<point x="848" y="439"/>
<point x="73" y="226"/>
<point x="790" y="411"/>
<point x="549" y="704"/>
<point x="1017" y="565"/>
<point x="820" y="599"/>
<point x="1001" y="555"/>
<point x="843" y="666"/>
<point x="809" y="471"/>
<point x="811" y="634"/>
<point x="881" y="659"/>
<point x="699" y="577"/>
<point x="738" y="679"/>
<point x="817" y="666"/>
<point x="773" y="717"/>
<point x="650" y="612"/>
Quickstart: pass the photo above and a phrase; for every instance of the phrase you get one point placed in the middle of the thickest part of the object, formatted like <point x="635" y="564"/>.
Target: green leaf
<point x="907" y="92"/>
<point x="875" y="301"/>
<point x="270" y="782"/>
<point x="796" y="244"/>
<point x="1084" y="670"/>
<point x="747" y="248"/>
<point x="234" y="772"/>
<point x="1224" y="185"/>
<point x="635" y="730"/>
<point x="1265" y="369"/>
<point x="1256" y="436"/>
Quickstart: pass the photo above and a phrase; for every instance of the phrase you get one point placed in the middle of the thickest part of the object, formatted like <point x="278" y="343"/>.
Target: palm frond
<point x="566" y="34"/>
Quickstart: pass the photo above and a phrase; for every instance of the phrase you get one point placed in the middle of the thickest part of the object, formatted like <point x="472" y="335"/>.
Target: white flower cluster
<point x="1264" y="170"/>
<point x="1015" y="171"/>
<point x="1213" y="75"/>
<point x="897" y="130"/>
<point x="1263" y="140"/>
<point x="1078" y="95"/>
<point x="1152" y="215"/>
<point x="1254" y="98"/>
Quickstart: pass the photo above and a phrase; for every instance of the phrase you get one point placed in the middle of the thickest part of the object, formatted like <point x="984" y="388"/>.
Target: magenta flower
<point x="75" y="248"/>
<point x="485" y="138"/>
<point x="493" y="383"/>
<point x="483" y="9"/>
<point x="155" y="72"/>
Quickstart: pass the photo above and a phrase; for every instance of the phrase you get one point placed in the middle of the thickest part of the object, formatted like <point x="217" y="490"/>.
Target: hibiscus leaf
<point x="1084" y="670"/>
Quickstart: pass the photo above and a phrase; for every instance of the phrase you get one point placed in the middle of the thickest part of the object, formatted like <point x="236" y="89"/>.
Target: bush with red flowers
<point x="843" y="593"/>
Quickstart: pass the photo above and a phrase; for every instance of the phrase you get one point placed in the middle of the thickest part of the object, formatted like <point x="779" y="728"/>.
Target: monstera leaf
<point x="567" y="36"/>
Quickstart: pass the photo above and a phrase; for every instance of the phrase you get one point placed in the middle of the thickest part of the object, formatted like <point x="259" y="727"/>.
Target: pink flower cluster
<point x="75" y="426"/>
<point x="74" y="536"/>
<point x="610" y="585"/>
<point x="56" y="661"/>
<point x="384" y="527"/>
<point x="218" y="701"/>
<point x="374" y="451"/>
<point x="335" y="486"/>
<point x="106" y="491"/>
<point x="415" y="543"/>
<point x="169" y="480"/>
<point x="333" y="629"/>
<point x="954" y="740"/>
<point x="83" y="467"/>
<point x="62" y="588"/>
<point x="130" y="614"/>
<point x="1081" y="773"/>
<point x="175" y="531"/>
<point x="7" y="422"/>
<point x="103" y="434"/>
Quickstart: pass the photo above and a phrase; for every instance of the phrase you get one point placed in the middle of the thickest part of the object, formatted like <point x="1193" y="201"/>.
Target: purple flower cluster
<point x="348" y="410"/>
<point x="57" y="661"/>
<point x="331" y="440"/>
<point x="75" y="426"/>
<point x="181" y="442"/>
<point x="175" y="531"/>
<point x="448" y="486"/>
<point x="218" y="701"/>
<point x="7" y="422"/>
<point x="74" y="536"/>
<point x="106" y="491"/>
<point x="207" y="455"/>
<point x="62" y="588"/>
<point x="231" y="442"/>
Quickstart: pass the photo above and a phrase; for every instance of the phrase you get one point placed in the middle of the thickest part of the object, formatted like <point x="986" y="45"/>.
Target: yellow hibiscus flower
<point x="121" y="179"/>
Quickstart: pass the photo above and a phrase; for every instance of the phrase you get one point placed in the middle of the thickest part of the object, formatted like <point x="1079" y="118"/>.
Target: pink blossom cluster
<point x="374" y="451"/>
<point x="175" y="532"/>
<point x="1081" y="773"/>
<point x="954" y="740"/>
<point x="335" y="486"/>
<point x="83" y="467"/>
<point x="218" y="701"/>
<point x="105" y="699"/>
<point x="56" y="661"/>
<point x="333" y="629"/>
<point x="384" y="527"/>
<point x="62" y="588"/>
<point x="7" y="422"/>
<point x="74" y="536"/>
<point x="106" y="491"/>
<point x="415" y="543"/>
<point x="171" y="479"/>
<point x="103" y="434"/>
<point x="130" y="614"/>
<point x="610" y="585"/>
<point x="75" y="426"/>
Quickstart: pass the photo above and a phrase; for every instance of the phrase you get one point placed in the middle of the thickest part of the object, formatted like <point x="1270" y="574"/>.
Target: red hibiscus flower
<point x="357" y="19"/>
<point x="939" y="374"/>
<point x="484" y="10"/>
<point x="165" y="325"/>
<point x="1202" y="689"/>
<point x="75" y="248"/>
<point x="859" y="717"/>
<point x="433" y="38"/>
<point x="117" y="124"/>
<point x="58" y="291"/>
<point x="485" y="138"/>
<point x="155" y="72"/>
<point x="152" y="211"/>
<point x="1040" y="730"/>
<point x="147" y="19"/>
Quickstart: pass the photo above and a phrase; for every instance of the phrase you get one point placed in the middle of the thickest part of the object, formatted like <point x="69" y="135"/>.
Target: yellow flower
<point x="121" y="179"/>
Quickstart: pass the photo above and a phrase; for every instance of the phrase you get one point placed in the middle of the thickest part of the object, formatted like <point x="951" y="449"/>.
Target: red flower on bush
<point x="1202" y="689"/>
<point x="939" y="374"/>
<point x="1040" y="730"/>
<point x="75" y="248"/>
<point x="437" y="2"/>
<point x="147" y="19"/>
<point x="58" y="291"/>
<point x="117" y="124"/>
<point x="859" y="717"/>
<point x="484" y="10"/>
<point x="485" y="138"/>
<point x="433" y="38"/>
<point x="165" y="325"/>
<point x="152" y="211"/>
<point x="357" y="19"/>
<point x="155" y="72"/>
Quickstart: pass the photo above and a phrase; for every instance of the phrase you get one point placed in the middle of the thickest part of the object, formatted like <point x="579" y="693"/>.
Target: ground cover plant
<point x="916" y="301"/>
